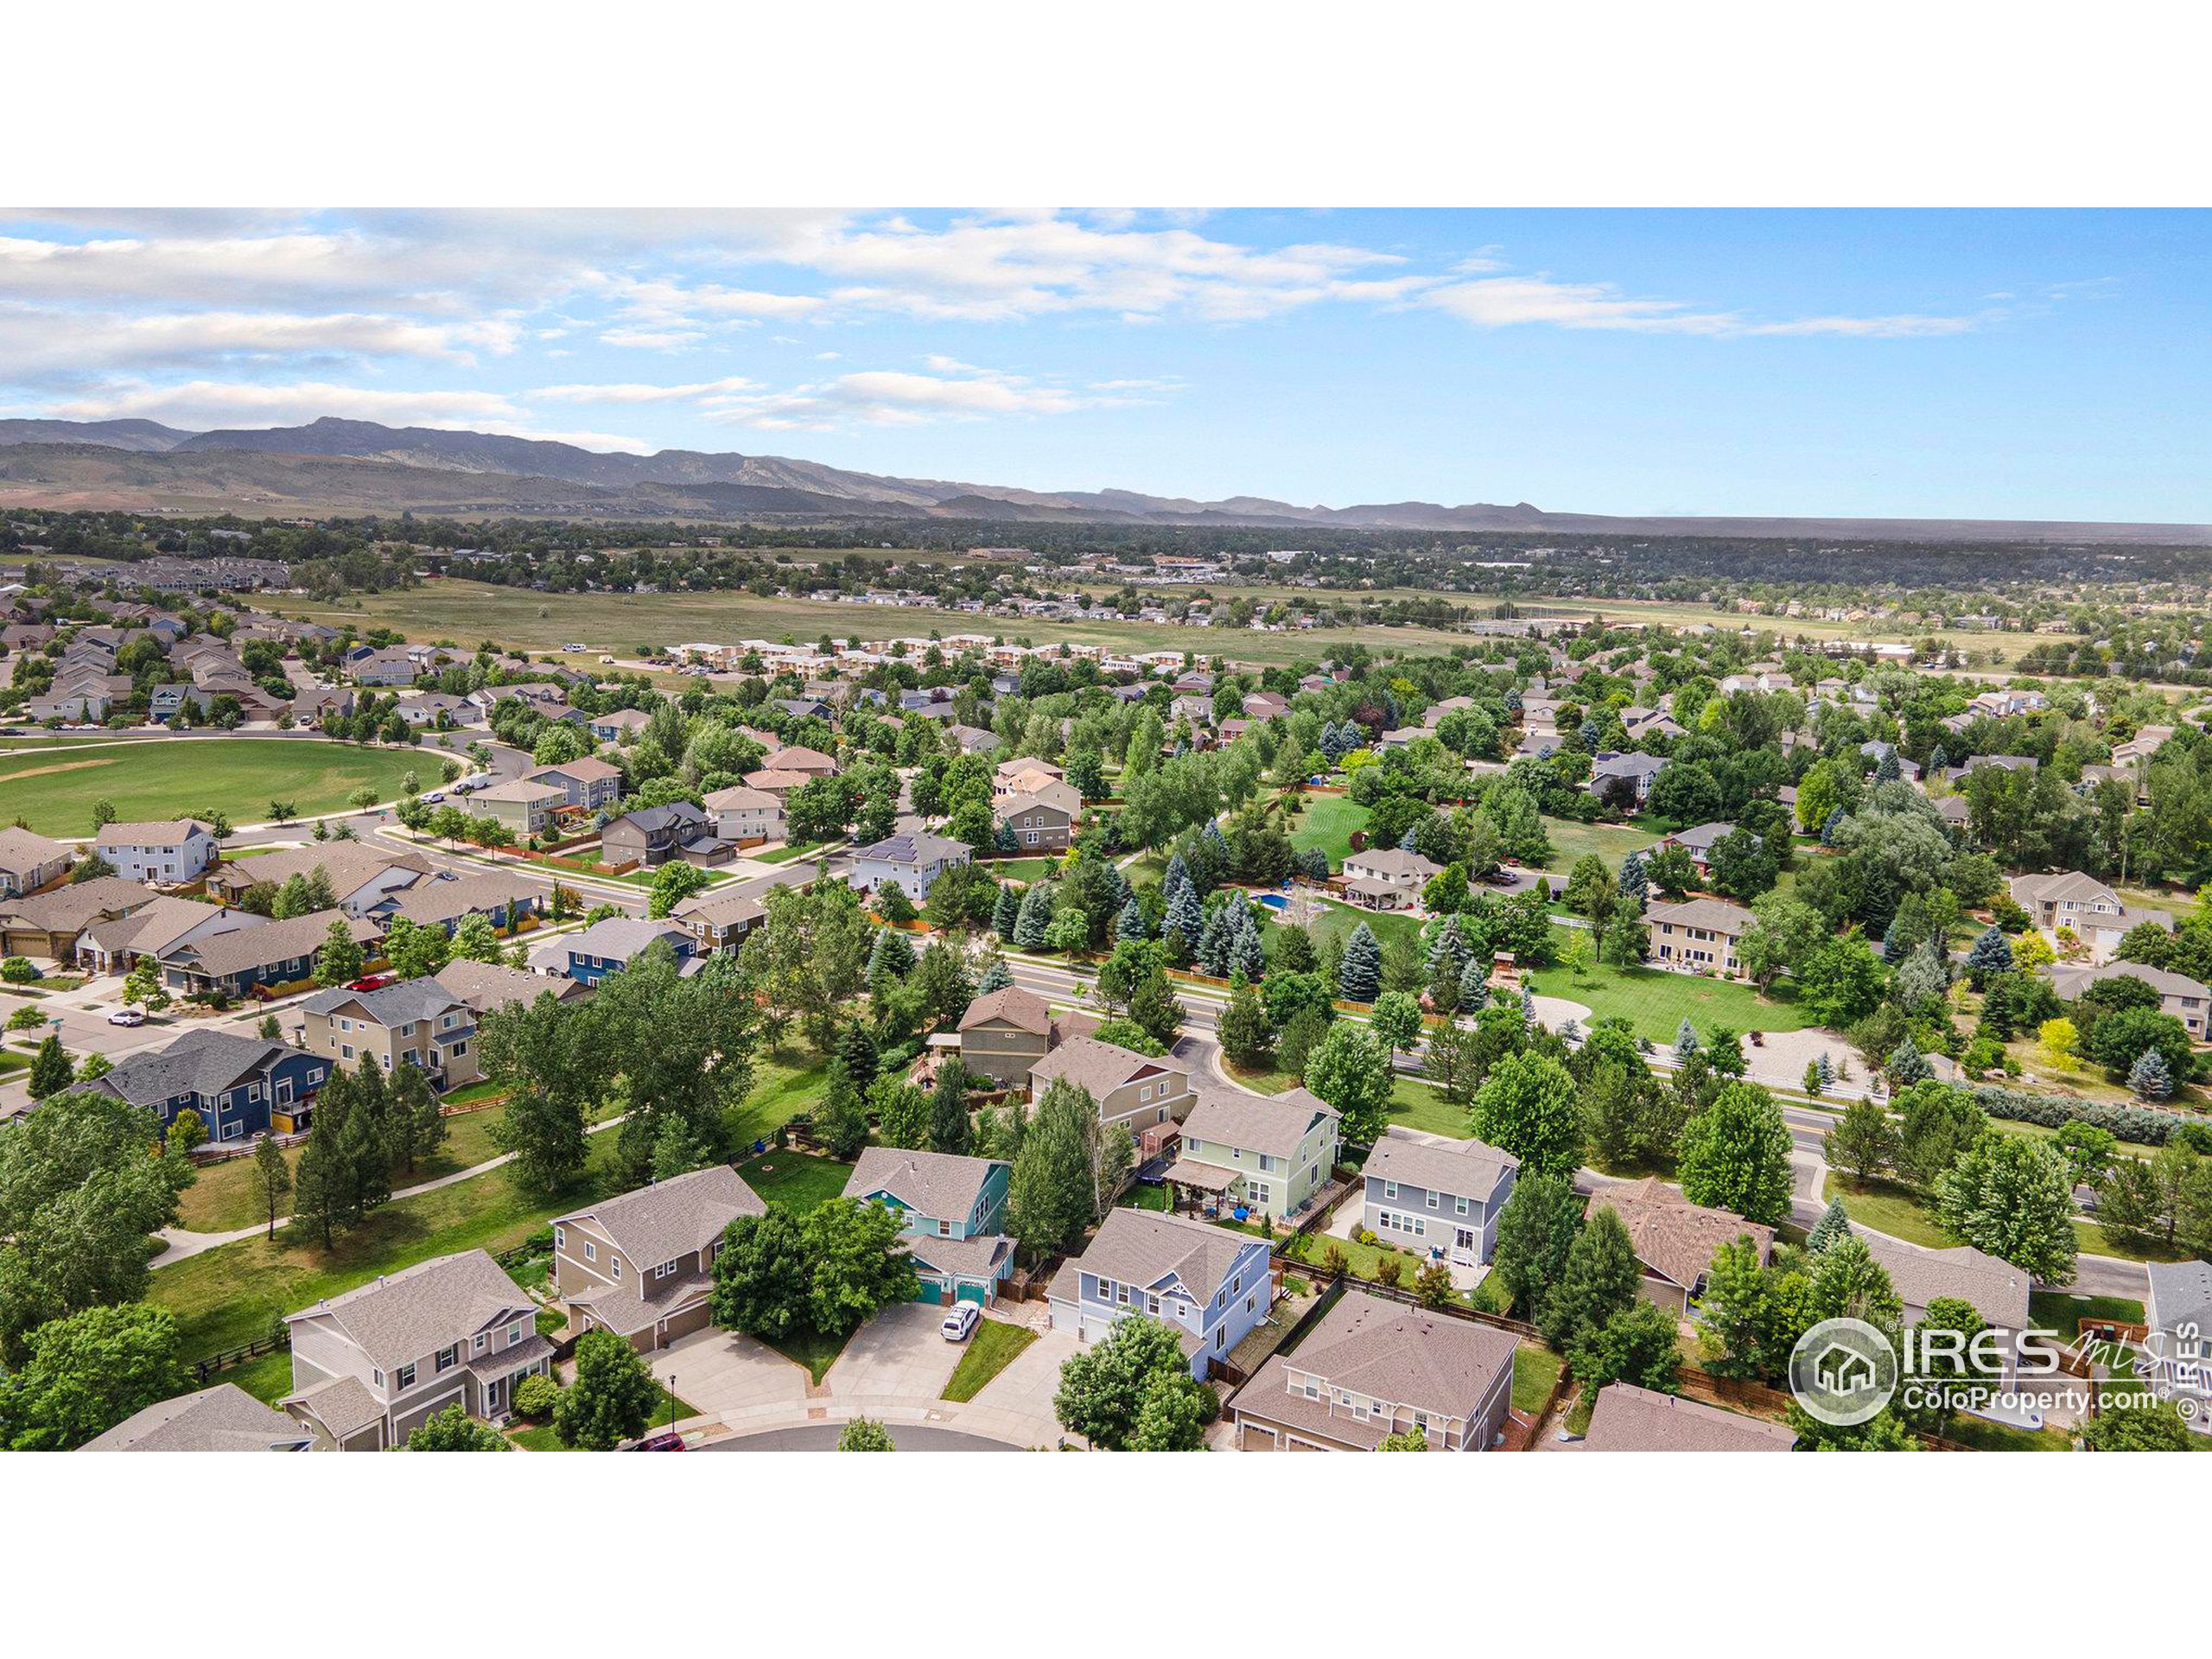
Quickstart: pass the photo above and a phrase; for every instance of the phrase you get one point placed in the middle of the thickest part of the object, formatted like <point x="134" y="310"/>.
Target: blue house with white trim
<point x="240" y="1086"/>
<point x="952" y="1207"/>
<point x="1208" y="1284"/>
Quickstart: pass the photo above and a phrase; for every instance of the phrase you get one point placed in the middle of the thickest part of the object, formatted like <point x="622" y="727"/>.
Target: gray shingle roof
<point x="1403" y="1356"/>
<point x="1023" y="1009"/>
<point x="202" y="1062"/>
<point x="256" y="947"/>
<point x="68" y="909"/>
<point x="1996" y="1289"/>
<point x="161" y="832"/>
<point x="224" y="1418"/>
<point x="400" y="1318"/>
<point x="400" y="1004"/>
<point x="343" y="1406"/>
<point x="487" y="985"/>
<point x="22" y="849"/>
<point x="1714" y="915"/>
<point x="2181" y="1294"/>
<point x="1138" y="1247"/>
<point x="941" y="1185"/>
<point x="1276" y="1124"/>
<point x="915" y="847"/>
<point x="436" y="903"/>
<point x="620" y="937"/>
<point x="1100" y="1067"/>
<point x="673" y="1218"/>
<point x="1673" y="1236"/>
<point x="1461" y="1169"/>
<point x="1630" y="1419"/>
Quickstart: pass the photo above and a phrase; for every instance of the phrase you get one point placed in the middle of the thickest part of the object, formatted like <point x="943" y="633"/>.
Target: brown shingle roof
<point x="224" y="1418"/>
<point x="1100" y="1067"/>
<point x="1023" y="1009"/>
<point x="669" y="1219"/>
<point x="1630" y="1419"/>
<point x="1275" y="1124"/>
<point x="1673" y="1236"/>
<point x="939" y="1185"/>
<point x="404" y="1316"/>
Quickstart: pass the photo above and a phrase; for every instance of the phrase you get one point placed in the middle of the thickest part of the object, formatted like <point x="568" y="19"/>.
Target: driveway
<point x="896" y="1357"/>
<point x="1016" y="1405"/>
<point x="733" y="1377"/>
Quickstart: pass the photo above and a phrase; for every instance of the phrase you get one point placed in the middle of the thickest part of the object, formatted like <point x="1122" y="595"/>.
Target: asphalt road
<point x="823" y="1437"/>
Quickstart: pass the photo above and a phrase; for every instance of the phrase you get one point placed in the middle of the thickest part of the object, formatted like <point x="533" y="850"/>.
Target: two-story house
<point x="239" y="1086"/>
<point x="608" y="947"/>
<point x="1209" y="1284"/>
<point x="951" y="1208"/>
<point x="745" y="817"/>
<point x="1043" y="822"/>
<point x="912" y="860"/>
<point x="1387" y="878"/>
<point x="1134" y="1090"/>
<point x="524" y="807"/>
<point x="50" y="923"/>
<point x="2185" y="999"/>
<point x="1372" y="1368"/>
<point x="416" y="1022"/>
<point x="30" y="861"/>
<point x="654" y="835"/>
<point x="1271" y="1153"/>
<point x="1427" y="1192"/>
<point x="642" y="1265"/>
<point x="168" y="853"/>
<point x="1674" y="1239"/>
<point x="589" y="783"/>
<point x="1698" y="936"/>
<point x="276" y="953"/>
<point x="1004" y="1033"/>
<point x="2085" y="907"/>
<point x="369" y="1366"/>
<point x="361" y="877"/>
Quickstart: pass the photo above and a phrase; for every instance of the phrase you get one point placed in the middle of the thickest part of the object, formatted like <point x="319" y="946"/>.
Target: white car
<point x="127" y="1017"/>
<point x="960" y="1323"/>
<point x="434" y="796"/>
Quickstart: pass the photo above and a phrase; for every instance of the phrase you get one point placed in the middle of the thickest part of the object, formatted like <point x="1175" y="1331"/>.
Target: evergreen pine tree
<point x="996" y="977"/>
<point x="1036" y="916"/>
<point x="1887" y="771"/>
<point x="1474" y="984"/>
<point x="1005" y="910"/>
<point x="1635" y="876"/>
<point x="1833" y="1225"/>
<point x="1360" y="977"/>
<point x="1991" y="955"/>
<point x="1212" y="950"/>
<point x="1905" y="1065"/>
<point x="1685" y="1040"/>
<point x="2150" y="1078"/>
<point x="51" y="1070"/>
<point x="1827" y="825"/>
<point x="1130" y="923"/>
<point x="856" y="1049"/>
<point x="949" y="1109"/>
<point x="1246" y="953"/>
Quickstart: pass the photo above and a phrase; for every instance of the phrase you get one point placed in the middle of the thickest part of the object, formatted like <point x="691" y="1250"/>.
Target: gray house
<point x="1428" y="1193"/>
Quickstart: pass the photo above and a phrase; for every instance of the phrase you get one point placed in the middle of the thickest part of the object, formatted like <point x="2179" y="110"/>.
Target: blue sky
<point x="1983" y="365"/>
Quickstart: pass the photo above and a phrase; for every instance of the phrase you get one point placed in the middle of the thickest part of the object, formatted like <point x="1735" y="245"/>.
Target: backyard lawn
<point x="785" y="1084"/>
<point x="990" y="1350"/>
<point x="784" y="854"/>
<point x="1654" y="1002"/>
<point x="1611" y="842"/>
<point x="1535" y="1372"/>
<point x="232" y="1296"/>
<point x="54" y="793"/>
<point x="1337" y="921"/>
<point x="2061" y="1311"/>
<point x="1020" y="869"/>
<point x="795" y="1181"/>
<point x="1327" y="823"/>
<point x="1422" y="1106"/>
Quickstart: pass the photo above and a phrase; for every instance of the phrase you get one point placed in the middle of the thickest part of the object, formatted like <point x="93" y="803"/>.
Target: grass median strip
<point x="990" y="1350"/>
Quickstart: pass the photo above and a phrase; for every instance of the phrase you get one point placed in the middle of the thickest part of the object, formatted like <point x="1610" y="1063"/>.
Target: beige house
<point x="224" y="1418"/>
<point x="416" y="1022"/>
<point x="1371" y="1369"/>
<point x="589" y="783"/>
<point x="1674" y="1240"/>
<point x="524" y="807"/>
<point x="48" y="923"/>
<point x="1025" y="775"/>
<point x="1131" y="1089"/>
<point x="1270" y="1152"/>
<point x="1388" y="879"/>
<point x="28" y="861"/>
<point x="2187" y="1000"/>
<point x="361" y="876"/>
<point x="1698" y="936"/>
<point x="2085" y="907"/>
<point x="1037" y="824"/>
<point x="642" y="1265"/>
<point x="1005" y="1032"/>
<point x="745" y="816"/>
<point x="370" y="1366"/>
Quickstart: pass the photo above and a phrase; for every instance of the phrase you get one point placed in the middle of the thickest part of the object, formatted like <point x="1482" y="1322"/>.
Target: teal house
<point x="952" y="1208"/>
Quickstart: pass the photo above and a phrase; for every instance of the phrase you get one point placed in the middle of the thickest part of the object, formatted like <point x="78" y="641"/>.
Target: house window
<point x="404" y="1378"/>
<point x="1391" y="1190"/>
<point x="1432" y="1200"/>
<point x="1459" y="1205"/>
<point x="377" y="1378"/>
<point x="664" y="1270"/>
<point x="560" y="1238"/>
<point x="614" y="1267"/>
<point x="1310" y="1389"/>
<point x="448" y="1357"/>
<point x="944" y="1229"/>
<point x="1152" y="1306"/>
<point x="591" y="1251"/>
<point x="477" y="1346"/>
<point x="515" y="1332"/>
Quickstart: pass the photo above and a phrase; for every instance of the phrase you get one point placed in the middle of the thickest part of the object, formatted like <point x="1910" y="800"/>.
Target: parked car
<point x="371" y="982"/>
<point x="667" y="1440"/>
<point x="434" y="798"/>
<point x="127" y="1017"/>
<point x="960" y="1323"/>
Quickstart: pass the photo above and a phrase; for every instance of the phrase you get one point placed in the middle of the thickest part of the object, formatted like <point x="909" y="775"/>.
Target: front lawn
<point x="1327" y="823"/>
<point x="1020" y="869"/>
<point x="812" y="1349"/>
<point x="1265" y="1080"/>
<point x="1422" y="1106"/>
<point x="1889" y="1208"/>
<point x="1654" y="1002"/>
<point x="785" y="854"/>
<point x="227" y="1297"/>
<point x="795" y="1181"/>
<point x="990" y="1350"/>
<point x="1535" y="1373"/>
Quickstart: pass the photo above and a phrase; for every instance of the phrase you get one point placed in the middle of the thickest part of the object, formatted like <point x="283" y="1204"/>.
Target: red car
<point x="666" y="1440"/>
<point x="372" y="982"/>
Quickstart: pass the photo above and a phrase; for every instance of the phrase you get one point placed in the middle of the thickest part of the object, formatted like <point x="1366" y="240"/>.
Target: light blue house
<point x="1209" y="1284"/>
<point x="608" y="947"/>
<point x="952" y="1207"/>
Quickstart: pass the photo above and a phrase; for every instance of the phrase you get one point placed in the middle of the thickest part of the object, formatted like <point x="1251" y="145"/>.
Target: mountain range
<point x="332" y="465"/>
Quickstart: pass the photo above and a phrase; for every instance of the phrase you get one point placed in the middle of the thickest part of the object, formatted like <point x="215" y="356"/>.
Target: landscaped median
<point x="995" y="1346"/>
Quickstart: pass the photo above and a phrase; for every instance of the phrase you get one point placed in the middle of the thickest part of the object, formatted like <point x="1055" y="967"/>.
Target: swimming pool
<point x="1274" y="901"/>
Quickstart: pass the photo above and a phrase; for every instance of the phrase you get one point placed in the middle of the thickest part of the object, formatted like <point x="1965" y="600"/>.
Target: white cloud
<point x="37" y="341"/>
<point x="651" y="339"/>
<point x="635" y="393"/>
<point x="1511" y="302"/>
<point x="893" y="397"/>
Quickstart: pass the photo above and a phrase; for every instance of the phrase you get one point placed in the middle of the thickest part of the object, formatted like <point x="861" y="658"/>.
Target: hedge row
<point x="2136" y="1123"/>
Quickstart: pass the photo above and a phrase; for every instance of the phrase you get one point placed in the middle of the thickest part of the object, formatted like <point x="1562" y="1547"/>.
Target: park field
<point x="54" y="791"/>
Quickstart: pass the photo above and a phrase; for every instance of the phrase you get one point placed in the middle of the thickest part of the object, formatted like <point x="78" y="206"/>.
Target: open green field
<point x="170" y="778"/>
<point x="1327" y="823"/>
<point x="470" y="610"/>
<point x="227" y="1196"/>
<point x="1654" y="1002"/>
<point x="1611" y="842"/>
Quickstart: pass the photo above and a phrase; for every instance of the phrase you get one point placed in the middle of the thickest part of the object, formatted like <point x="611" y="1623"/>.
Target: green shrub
<point x="536" y="1397"/>
<point x="19" y="971"/>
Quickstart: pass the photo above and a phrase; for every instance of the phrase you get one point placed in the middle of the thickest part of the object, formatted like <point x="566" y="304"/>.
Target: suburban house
<point x="1037" y="824"/>
<point x="745" y="817"/>
<point x="589" y="783"/>
<point x="524" y="807"/>
<point x="1372" y="1368"/>
<point x="1993" y="1286"/>
<point x="653" y="835"/>
<point x="1637" y="770"/>
<point x="1211" y="1285"/>
<point x="774" y="780"/>
<point x="48" y="923"/>
<point x="1674" y="1240"/>
<point x="1697" y="842"/>
<point x="951" y="1208"/>
<point x="912" y="860"/>
<point x="2187" y="1000"/>
<point x="1005" y="1031"/>
<point x="1698" y="936"/>
<point x="446" y="901"/>
<point x="170" y="852"/>
<point x="30" y="861"/>
<point x="361" y="877"/>
<point x="224" y="1418"/>
<point x="1430" y="1193"/>
<point x="1270" y="1152"/>
<point x="416" y="1022"/>
<point x="488" y="985"/>
<point x="2139" y="749"/>
<point x="2180" y="1306"/>
<point x="1131" y="1089"/>
<point x="608" y="947"/>
<point x="1024" y="775"/>
<point x="276" y="953"/>
<point x="240" y="1086"/>
<point x="810" y="762"/>
<point x="114" y="946"/>
<point x="368" y="1367"/>
<point x="618" y="726"/>
<point x="642" y="1265"/>
<point x="1389" y="879"/>
<point x="2086" y="907"/>
<point x="1629" y="1419"/>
